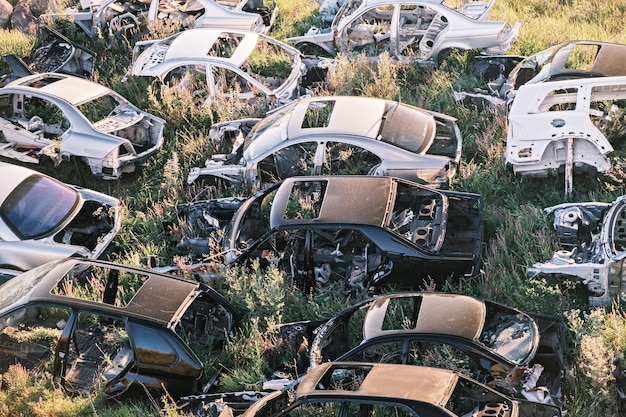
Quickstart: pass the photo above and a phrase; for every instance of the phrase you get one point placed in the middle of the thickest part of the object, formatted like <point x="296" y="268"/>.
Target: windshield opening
<point x="37" y="206"/>
<point x="532" y="66"/>
<point x="346" y="9"/>
<point x="274" y="130"/>
<point x="509" y="333"/>
<point x="99" y="108"/>
<point x="419" y="216"/>
<point x="18" y="287"/>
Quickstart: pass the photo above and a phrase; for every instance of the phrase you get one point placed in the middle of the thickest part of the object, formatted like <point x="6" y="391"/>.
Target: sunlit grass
<point x="517" y="231"/>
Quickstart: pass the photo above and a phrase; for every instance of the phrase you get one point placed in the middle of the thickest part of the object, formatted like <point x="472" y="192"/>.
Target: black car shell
<point x="96" y="324"/>
<point x="365" y="231"/>
<point x="366" y="389"/>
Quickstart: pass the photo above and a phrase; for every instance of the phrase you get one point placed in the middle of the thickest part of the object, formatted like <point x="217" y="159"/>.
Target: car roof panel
<point x="449" y="314"/>
<point x="356" y="116"/>
<point x="369" y="199"/>
<point x="160" y="299"/>
<point x="197" y="43"/>
<point x="75" y="90"/>
<point x="393" y="381"/>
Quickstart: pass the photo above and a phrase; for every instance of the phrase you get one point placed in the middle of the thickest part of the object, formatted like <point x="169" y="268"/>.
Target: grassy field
<point x="517" y="232"/>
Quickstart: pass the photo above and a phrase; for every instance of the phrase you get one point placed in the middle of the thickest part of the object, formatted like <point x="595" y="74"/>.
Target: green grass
<point x="517" y="232"/>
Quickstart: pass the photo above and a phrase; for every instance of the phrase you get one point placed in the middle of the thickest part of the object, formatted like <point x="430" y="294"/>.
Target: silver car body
<point x="222" y="59"/>
<point x="40" y="115"/>
<point x="410" y="30"/>
<point x="222" y="14"/>
<point x="383" y="137"/>
<point x="591" y="237"/>
<point x="561" y="126"/>
<point x="102" y="16"/>
<point x="97" y="17"/>
<point x="82" y="216"/>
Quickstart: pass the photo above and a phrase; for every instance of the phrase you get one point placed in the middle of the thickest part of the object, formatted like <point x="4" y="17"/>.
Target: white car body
<point x="591" y="236"/>
<point x="223" y="61"/>
<point x="40" y="116"/>
<point x="561" y="124"/>
<point x="42" y="219"/>
<point x="410" y="30"/>
<point x="102" y="16"/>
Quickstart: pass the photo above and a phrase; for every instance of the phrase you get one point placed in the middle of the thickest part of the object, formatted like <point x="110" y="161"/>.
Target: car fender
<point x="89" y="145"/>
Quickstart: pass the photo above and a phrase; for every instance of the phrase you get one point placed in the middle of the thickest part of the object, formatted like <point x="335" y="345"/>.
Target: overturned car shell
<point x="311" y="135"/>
<point x="42" y="220"/>
<point x="409" y="31"/>
<point x="560" y="126"/>
<point x="40" y="116"/>
<point x="592" y="237"/>
<point x="55" y="53"/>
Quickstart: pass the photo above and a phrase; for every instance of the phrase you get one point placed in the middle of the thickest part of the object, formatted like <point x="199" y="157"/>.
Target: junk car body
<point x="53" y="53"/>
<point x="228" y="63"/>
<point x="469" y="8"/>
<point x="409" y="30"/>
<point x="565" y="126"/>
<point x="563" y="61"/>
<point x="62" y="117"/>
<point x="365" y="389"/>
<point x="591" y="238"/>
<point x="108" y="16"/>
<point x="339" y="135"/>
<point x="99" y="325"/>
<point x="42" y="219"/>
<point x="363" y="232"/>
<point x="101" y="16"/>
<point x="505" y="348"/>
